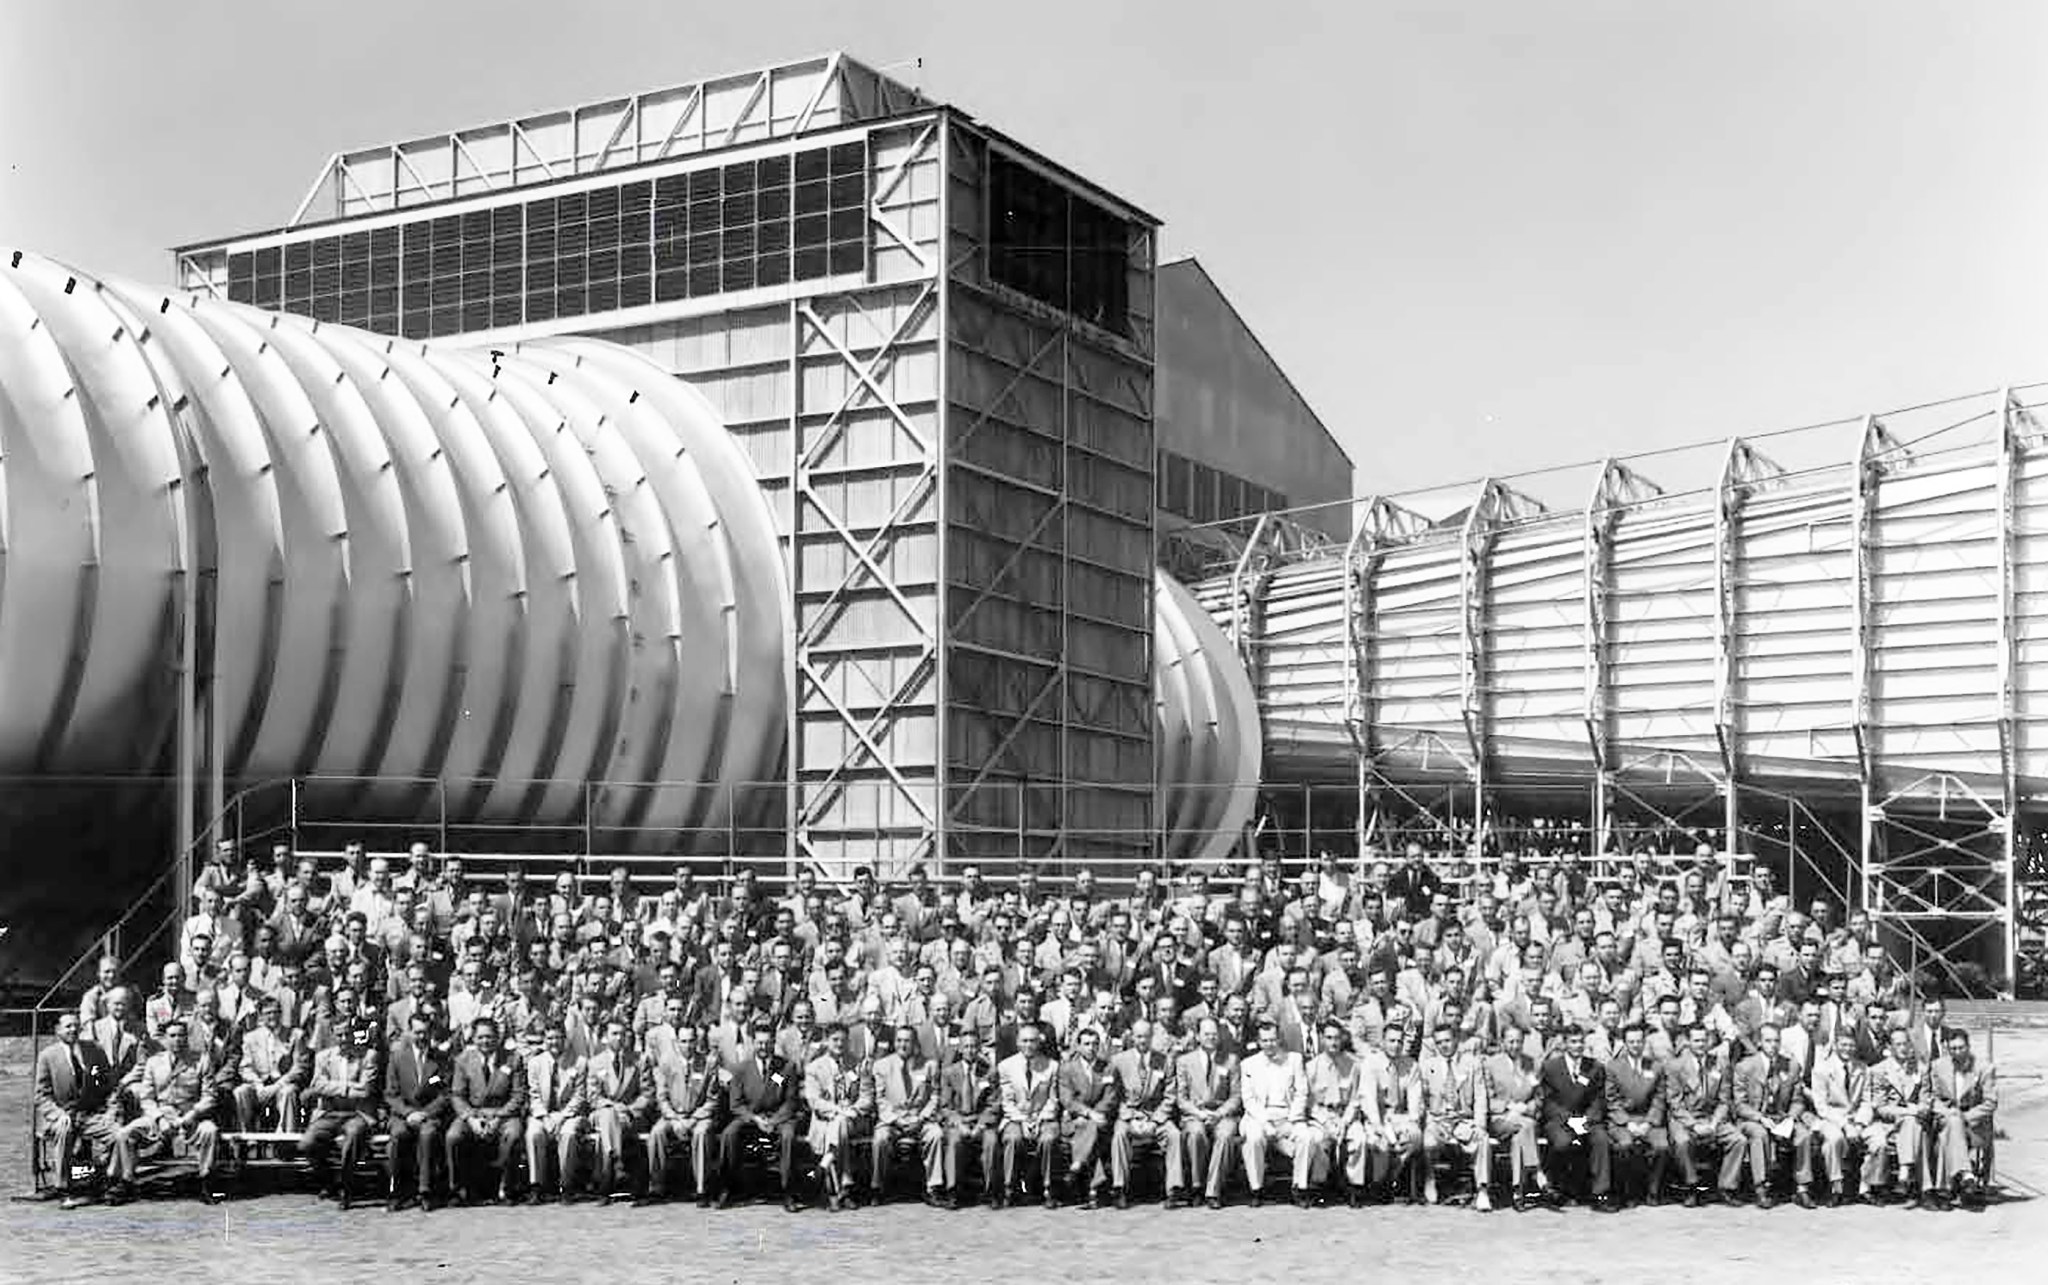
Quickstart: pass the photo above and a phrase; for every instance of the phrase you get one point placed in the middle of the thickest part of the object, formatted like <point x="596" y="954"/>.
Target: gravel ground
<point x="288" y="1238"/>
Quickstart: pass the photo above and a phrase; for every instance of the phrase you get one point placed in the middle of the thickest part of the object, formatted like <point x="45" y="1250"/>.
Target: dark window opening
<point x="1058" y="247"/>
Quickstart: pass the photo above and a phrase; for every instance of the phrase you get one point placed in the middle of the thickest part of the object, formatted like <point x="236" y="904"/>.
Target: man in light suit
<point x="687" y="1097"/>
<point x="1030" y="1112"/>
<point x="970" y="1109"/>
<point x="1838" y="1110"/>
<point x="1637" y="1110"/>
<point x="1897" y="1094"/>
<point x="416" y="1095"/>
<point x="73" y="1095"/>
<point x="1206" y="1090"/>
<point x="904" y="1091"/>
<point x="616" y="1088"/>
<point x="1963" y="1091"/>
<point x="177" y="1104"/>
<point x="1144" y="1076"/>
<point x="1331" y="1125"/>
<point x="346" y="1092"/>
<point x="556" y="1112"/>
<point x="1274" y="1091"/>
<point x="1769" y="1098"/>
<point x="122" y="1040"/>
<point x="839" y="1096"/>
<point x="1392" y="1108"/>
<point x="269" y="1071"/>
<point x="490" y="1109"/>
<point x="1699" y="1114"/>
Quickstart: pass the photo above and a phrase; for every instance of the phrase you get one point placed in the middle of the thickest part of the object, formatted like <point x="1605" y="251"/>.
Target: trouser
<point x="667" y="1136"/>
<point x="1563" y="1144"/>
<point x="953" y="1156"/>
<point x="1259" y="1137"/>
<point x="423" y="1142"/>
<point x="1385" y="1151"/>
<point x="1085" y="1140"/>
<point x="64" y="1130"/>
<point x="1690" y="1139"/>
<point x="931" y="1140"/>
<point x="1831" y="1139"/>
<point x="731" y="1142"/>
<point x="1960" y="1145"/>
<point x="1039" y="1137"/>
<point x="1206" y="1150"/>
<point x="1128" y="1134"/>
<point x="250" y="1100"/>
<point x="1649" y="1152"/>
<point x="610" y="1126"/>
<point x="552" y="1142"/>
<point x="134" y="1137"/>
<point x="1761" y="1145"/>
<point x="1519" y="1133"/>
<point x="1907" y="1133"/>
<point x="470" y="1131"/>
<point x="1456" y="1139"/>
<point x="348" y="1132"/>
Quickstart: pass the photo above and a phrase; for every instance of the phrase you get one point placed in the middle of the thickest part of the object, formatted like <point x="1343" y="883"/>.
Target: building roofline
<point x="1264" y="351"/>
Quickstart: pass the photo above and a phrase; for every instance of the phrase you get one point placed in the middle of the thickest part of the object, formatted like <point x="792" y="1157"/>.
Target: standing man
<point x="346" y="1089"/>
<point x="1143" y="1076"/>
<point x="761" y="1096"/>
<point x="416" y="1095"/>
<point x="73" y="1094"/>
<point x="490" y="1107"/>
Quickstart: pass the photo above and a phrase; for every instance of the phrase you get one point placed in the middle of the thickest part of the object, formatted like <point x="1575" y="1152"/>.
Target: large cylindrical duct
<point x="544" y="576"/>
<point x="1208" y="729"/>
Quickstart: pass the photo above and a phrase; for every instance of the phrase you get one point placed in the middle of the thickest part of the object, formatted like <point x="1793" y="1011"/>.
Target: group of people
<point x="1369" y="1031"/>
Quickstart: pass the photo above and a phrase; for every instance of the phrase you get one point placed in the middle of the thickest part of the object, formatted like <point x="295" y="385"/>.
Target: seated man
<point x="761" y="1095"/>
<point x="346" y="1091"/>
<point x="687" y="1097"/>
<point x="1332" y="1132"/>
<point x="615" y="1085"/>
<point x="74" y="1102"/>
<point x="904" y="1095"/>
<point x="1274" y="1089"/>
<point x="1391" y="1106"/>
<point x="1838" y="1110"/>
<point x="556" y="1113"/>
<point x="416" y="1095"/>
<point x="1030" y="1112"/>
<point x="1513" y="1096"/>
<point x="1769" y="1098"/>
<point x="1699" y="1115"/>
<point x="1206" y="1089"/>
<point x="1087" y="1105"/>
<point x="1637" y="1110"/>
<point x="177" y="1110"/>
<point x="270" y="1073"/>
<point x="1452" y="1128"/>
<point x="1896" y="1092"/>
<point x="1964" y="1095"/>
<point x="1574" y="1116"/>
<point x="837" y="1093"/>
<point x="1144" y="1075"/>
<point x="490" y="1107"/>
<point x="970" y="1110"/>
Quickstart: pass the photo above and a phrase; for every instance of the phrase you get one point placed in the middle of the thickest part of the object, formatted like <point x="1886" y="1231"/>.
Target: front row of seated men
<point x="1385" y="1119"/>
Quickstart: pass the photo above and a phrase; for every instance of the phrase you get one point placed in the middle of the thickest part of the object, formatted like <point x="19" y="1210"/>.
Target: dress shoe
<point x="345" y="1200"/>
<point x="834" y="1203"/>
<point x="725" y="1200"/>
<point x="1654" y="1198"/>
<point x="459" y="1198"/>
<point x="1482" y="1201"/>
<point x="69" y="1201"/>
<point x="1122" y="1198"/>
<point x="395" y="1203"/>
<point x="1213" y="1202"/>
<point x="1052" y="1200"/>
<point x="648" y="1198"/>
<point x="1175" y="1200"/>
<point x="1258" y="1198"/>
<point x="209" y="1195"/>
<point x="1834" y="1198"/>
<point x="952" y="1200"/>
<point x="1802" y="1199"/>
<point x="1692" y="1198"/>
<point x="790" y="1204"/>
<point x="1765" y="1200"/>
<point x="120" y="1194"/>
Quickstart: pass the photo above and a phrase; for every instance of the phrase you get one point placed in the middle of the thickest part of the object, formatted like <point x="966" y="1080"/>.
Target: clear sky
<point x="1480" y="236"/>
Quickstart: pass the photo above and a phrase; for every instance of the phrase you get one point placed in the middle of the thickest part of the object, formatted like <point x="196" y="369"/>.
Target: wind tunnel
<point x="544" y="575"/>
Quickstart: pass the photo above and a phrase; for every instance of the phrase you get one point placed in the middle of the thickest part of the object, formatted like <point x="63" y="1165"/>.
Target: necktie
<point x="903" y="1070"/>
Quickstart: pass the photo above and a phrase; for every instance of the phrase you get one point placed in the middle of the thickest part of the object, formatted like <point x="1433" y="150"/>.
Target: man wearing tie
<point x="1512" y="1090"/>
<point x="1769" y="1098"/>
<point x="1030" y="1111"/>
<point x="1275" y="1099"/>
<point x="615" y="1085"/>
<point x="1143" y="1076"/>
<point x="1963" y="1092"/>
<point x="73" y="1093"/>
<point x="1450" y="1103"/>
<point x="1391" y="1105"/>
<point x="1330" y="1131"/>
<point x="838" y="1096"/>
<point x="1574" y="1109"/>
<point x="490" y="1108"/>
<point x="1088" y="1103"/>
<point x="556" y="1113"/>
<point x="1206" y="1087"/>
<point x="761" y="1097"/>
<point x="122" y="1042"/>
<point x="970" y="1107"/>
<point x="1838" y="1110"/>
<point x="1897" y="1093"/>
<point x="416" y="1095"/>
<point x="269" y="1072"/>
<point x="905" y="1102"/>
<point x="1637" y="1110"/>
<point x="346" y="1092"/>
<point x="687" y="1098"/>
<point x="1699" y="1114"/>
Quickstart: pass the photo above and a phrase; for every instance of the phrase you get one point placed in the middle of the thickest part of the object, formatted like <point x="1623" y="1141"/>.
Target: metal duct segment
<point x="547" y="577"/>
<point x="1208" y="729"/>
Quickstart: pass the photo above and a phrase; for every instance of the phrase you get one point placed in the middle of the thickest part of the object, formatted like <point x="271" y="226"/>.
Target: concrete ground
<point x="287" y="1238"/>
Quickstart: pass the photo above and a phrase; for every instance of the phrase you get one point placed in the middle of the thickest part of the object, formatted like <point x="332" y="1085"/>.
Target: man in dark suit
<point x="1637" y="1109"/>
<point x="713" y="985"/>
<point x="1574" y="1115"/>
<point x="490" y="1104"/>
<point x="760" y="1096"/>
<point x="416" y="1093"/>
<point x="1088" y="1102"/>
<point x="970" y="1109"/>
<point x="73" y="1085"/>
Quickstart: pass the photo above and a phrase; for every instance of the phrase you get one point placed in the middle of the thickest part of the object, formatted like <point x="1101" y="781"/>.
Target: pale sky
<point x="1481" y="237"/>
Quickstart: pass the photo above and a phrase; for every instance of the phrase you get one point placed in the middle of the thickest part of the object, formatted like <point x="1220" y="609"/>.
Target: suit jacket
<point x="1144" y="1083"/>
<point x="1450" y="1086"/>
<point x="618" y="1081"/>
<point x="1205" y="1081"/>
<point x="1389" y="1086"/>
<point x="1085" y="1086"/>
<point x="415" y="1079"/>
<point x="1028" y="1090"/>
<point x="1974" y="1092"/>
<point x="684" y="1088"/>
<point x="62" y="1089"/>
<point x="1897" y="1090"/>
<point x="835" y="1087"/>
<point x="1633" y="1094"/>
<point x="1332" y="1082"/>
<point x="1274" y="1090"/>
<point x="1507" y="1082"/>
<point x="493" y="1089"/>
<point x="1566" y="1095"/>
<point x="269" y="1056"/>
<point x="1766" y="1090"/>
<point x="1696" y="1093"/>
<point x="902" y="1091"/>
<point x="121" y="1044"/>
<point x="769" y="1090"/>
<point x="347" y="1081"/>
<point x="554" y="1085"/>
<point x="969" y="1097"/>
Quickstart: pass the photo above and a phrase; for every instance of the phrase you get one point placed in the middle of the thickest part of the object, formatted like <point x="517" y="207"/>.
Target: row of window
<point x="1196" y="491"/>
<point x="1058" y="247"/>
<point x="732" y="227"/>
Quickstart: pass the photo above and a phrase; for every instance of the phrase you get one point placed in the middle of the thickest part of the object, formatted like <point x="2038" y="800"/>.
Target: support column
<point x="1617" y="488"/>
<point x="1744" y="470"/>
<point x="1879" y="450"/>
<point x="2018" y="434"/>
